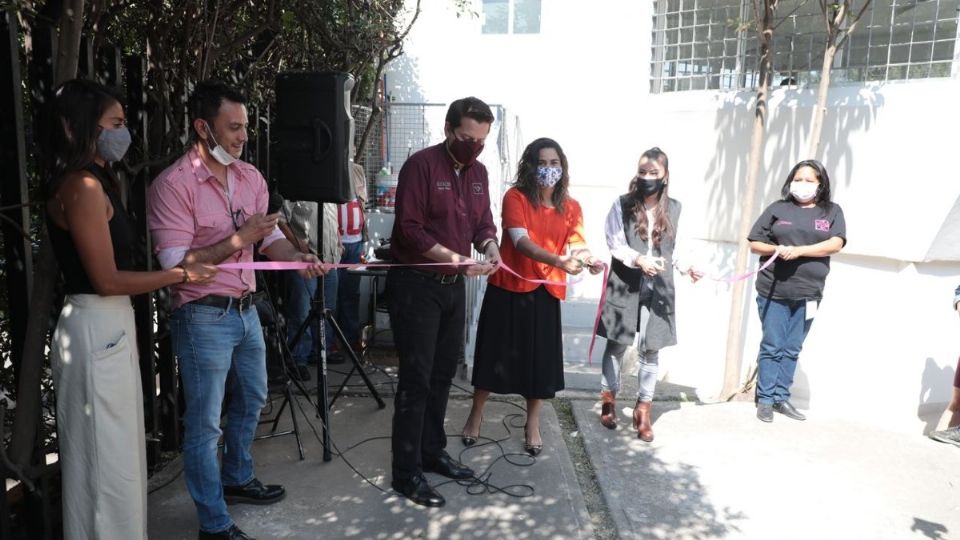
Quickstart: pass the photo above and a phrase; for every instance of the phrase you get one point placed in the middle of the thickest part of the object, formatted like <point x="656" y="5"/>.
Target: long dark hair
<point x="661" y="220"/>
<point x="822" y="198"/>
<point x="526" y="180"/>
<point x="77" y="108"/>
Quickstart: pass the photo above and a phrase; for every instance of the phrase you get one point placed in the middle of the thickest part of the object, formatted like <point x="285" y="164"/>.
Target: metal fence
<point x="401" y="130"/>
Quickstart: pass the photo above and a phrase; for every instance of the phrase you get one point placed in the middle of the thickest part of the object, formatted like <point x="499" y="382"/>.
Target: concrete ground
<point x="523" y="497"/>
<point x="713" y="471"/>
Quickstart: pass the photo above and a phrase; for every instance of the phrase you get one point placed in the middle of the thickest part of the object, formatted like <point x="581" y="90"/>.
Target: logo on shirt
<point x="477" y="188"/>
<point x="444" y="185"/>
<point x="821" y="224"/>
<point x="782" y="222"/>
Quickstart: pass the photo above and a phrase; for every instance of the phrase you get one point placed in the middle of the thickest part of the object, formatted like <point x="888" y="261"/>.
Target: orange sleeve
<point x="514" y="210"/>
<point x="575" y="234"/>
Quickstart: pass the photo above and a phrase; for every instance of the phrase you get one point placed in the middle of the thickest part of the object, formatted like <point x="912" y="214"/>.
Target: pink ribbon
<point x="596" y="320"/>
<point x="603" y="297"/>
<point x="748" y="274"/>
<point x="288" y="265"/>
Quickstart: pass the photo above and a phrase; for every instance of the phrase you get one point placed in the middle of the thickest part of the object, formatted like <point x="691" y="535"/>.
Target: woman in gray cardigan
<point x="641" y="234"/>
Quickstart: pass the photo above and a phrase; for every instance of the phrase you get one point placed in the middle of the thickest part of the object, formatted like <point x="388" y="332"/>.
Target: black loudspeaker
<point x="313" y="129"/>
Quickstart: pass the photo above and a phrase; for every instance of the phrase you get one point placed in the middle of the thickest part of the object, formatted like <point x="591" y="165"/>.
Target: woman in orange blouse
<point x="519" y="343"/>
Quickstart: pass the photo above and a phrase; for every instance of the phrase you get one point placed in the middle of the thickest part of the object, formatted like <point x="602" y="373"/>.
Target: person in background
<point x="301" y="217"/>
<point x="93" y="353"/>
<point x="641" y="231"/>
<point x="519" y="334"/>
<point x="951" y="434"/>
<point x="351" y="226"/>
<point x="804" y="228"/>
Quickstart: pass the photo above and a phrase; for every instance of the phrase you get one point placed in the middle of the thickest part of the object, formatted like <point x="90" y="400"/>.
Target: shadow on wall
<point x="788" y="127"/>
<point x="930" y="529"/>
<point x="801" y="394"/>
<point x="403" y="81"/>
<point x="936" y="389"/>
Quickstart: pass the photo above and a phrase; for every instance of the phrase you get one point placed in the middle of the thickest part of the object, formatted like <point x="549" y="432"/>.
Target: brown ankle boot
<point x="608" y="410"/>
<point x="641" y="420"/>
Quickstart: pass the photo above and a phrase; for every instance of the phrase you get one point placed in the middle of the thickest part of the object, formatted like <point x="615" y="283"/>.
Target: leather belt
<point x="225" y="302"/>
<point x="443" y="279"/>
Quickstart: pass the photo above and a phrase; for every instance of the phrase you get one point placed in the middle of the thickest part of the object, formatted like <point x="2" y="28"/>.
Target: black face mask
<point x="649" y="187"/>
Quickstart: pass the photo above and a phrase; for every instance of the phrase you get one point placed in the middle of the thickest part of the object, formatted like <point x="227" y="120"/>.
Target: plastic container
<point x="386" y="191"/>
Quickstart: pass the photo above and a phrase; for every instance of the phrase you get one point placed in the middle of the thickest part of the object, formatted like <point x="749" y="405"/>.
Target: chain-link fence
<point x="405" y="128"/>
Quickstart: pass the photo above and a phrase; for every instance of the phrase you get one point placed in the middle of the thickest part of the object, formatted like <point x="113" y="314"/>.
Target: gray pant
<point x="96" y="374"/>
<point x="649" y="363"/>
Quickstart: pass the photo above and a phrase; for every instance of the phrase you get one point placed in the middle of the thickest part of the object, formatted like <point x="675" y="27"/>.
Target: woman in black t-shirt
<point x="804" y="229"/>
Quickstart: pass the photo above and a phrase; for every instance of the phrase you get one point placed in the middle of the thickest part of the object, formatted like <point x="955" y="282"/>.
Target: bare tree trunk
<point x="375" y="110"/>
<point x="68" y="46"/>
<point x="816" y="123"/>
<point x="734" y="356"/>
<point x="27" y="419"/>
<point x="834" y="15"/>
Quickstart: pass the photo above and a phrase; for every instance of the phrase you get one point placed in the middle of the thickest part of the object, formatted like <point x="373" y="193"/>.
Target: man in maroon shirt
<point x="442" y="208"/>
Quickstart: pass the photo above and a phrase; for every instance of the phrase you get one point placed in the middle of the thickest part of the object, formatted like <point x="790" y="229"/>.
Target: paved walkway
<point x="329" y="500"/>
<point x="714" y="471"/>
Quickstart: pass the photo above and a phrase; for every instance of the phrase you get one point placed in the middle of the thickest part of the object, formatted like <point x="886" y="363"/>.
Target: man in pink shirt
<point x="211" y="207"/>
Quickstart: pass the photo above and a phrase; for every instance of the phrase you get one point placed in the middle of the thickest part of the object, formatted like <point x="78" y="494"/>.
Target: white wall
<point x="883" y="346"/>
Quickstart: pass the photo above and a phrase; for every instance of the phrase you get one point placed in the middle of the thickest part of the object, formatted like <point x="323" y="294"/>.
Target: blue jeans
<point x="300" y="293"/>
<point x="348" y="294"/>
<point x="785" y="326"/>
<point x="218" y="350"/>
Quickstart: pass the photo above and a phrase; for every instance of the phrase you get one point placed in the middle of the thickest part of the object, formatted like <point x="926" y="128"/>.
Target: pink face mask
<point x="465" y="152"/>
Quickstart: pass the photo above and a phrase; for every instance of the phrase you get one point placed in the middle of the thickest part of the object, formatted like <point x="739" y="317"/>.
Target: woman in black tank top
<point x="94" y="354"/>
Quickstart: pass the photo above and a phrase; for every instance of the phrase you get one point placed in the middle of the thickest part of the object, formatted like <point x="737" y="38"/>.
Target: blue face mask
<point x="112" y="144"/>
<point x="549" y="176"/>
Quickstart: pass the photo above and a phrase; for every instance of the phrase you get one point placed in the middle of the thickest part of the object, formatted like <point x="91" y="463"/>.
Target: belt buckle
<point x="447" y="279"/>
<point x="244" y="302"/>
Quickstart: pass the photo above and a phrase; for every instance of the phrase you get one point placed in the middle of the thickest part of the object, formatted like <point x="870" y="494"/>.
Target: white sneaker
<point x="949" y="436"/>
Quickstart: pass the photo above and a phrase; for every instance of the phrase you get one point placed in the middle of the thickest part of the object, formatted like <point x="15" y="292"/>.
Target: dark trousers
<point x="427" y="318"/>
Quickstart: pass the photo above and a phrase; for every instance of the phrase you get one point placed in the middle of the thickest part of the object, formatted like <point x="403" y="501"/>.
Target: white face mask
<point x="803" y="192"/>
<point x="218" y="152"/>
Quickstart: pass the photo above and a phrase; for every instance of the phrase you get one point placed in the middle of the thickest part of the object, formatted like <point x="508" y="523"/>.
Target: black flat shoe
<point x="418" y="490"/>
<point x="253" y="493"/>
<point x="788" y="410"/>
<point x="445" y="465"/>
<point x="765" y="412"/>
<point x="233" y="533"/>
<point x="532" y="449"/>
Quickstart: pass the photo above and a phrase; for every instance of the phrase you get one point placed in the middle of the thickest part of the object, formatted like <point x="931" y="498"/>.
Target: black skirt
<point x="519" y="344"/>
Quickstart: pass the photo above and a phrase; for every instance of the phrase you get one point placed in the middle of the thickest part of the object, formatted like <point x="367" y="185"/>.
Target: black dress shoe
<point x="418" y="490"/>
<point x="765" y="412"/>
<point x="445" y="465"/>
<point x="336" y="358"/>
<point x="253" y="493"/>
<point x="233" y="533"/>
<point x="788" y="410"/>
<point x="301" y="373"/>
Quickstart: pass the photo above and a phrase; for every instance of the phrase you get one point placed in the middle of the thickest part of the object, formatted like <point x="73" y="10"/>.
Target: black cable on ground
<point x="480" y="484"/>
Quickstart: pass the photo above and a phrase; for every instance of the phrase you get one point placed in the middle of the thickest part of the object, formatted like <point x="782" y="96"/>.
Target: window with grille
<point x="511" y="16"/>
<point x="712" y="44"/>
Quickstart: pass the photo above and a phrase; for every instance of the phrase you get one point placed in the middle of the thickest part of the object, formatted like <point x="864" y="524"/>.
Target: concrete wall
<point x="883" y="347"/>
